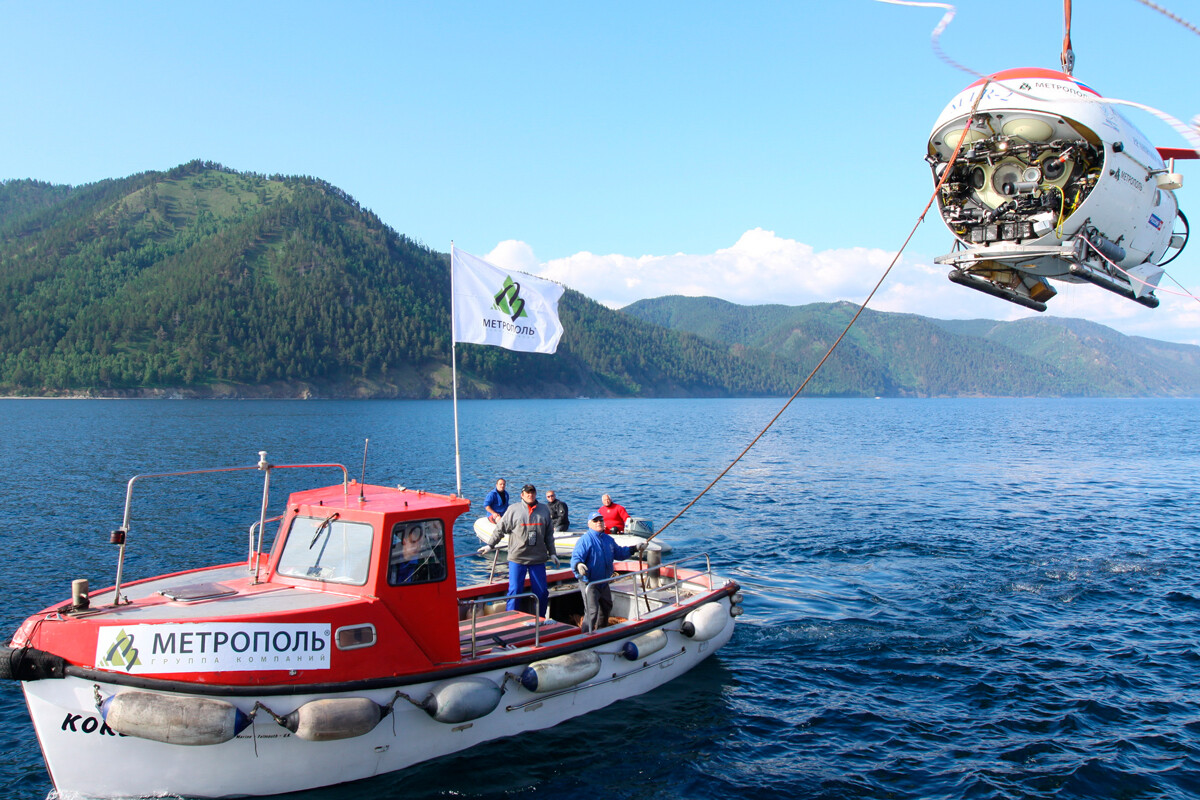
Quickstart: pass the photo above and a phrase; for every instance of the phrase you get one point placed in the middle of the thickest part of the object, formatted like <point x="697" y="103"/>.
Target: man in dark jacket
<point x="558" y="512"/>
<point x="530" y="546"/>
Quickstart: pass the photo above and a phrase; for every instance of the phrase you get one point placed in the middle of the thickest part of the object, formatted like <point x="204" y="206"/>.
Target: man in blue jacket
<point x="592" y="560"/>
<point x="496" y="502"/>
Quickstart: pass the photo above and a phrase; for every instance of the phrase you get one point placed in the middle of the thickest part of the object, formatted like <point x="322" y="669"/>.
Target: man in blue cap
<point x="592" y="561"/>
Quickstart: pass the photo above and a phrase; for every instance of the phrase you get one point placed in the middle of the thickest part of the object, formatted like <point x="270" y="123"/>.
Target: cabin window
<point x="418" y="552"/>
<point x="327" y="549"/>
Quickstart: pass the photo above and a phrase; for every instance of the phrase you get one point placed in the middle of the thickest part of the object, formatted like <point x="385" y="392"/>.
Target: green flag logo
<point x="509" y="300"/>
<point x="122" y="653"/>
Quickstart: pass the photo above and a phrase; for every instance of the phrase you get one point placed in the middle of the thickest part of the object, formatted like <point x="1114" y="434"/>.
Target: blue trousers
<point x="537" y="582"/>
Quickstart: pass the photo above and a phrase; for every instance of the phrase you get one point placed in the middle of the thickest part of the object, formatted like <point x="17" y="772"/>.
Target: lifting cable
<point x="1191" y="133"/>
<point x="1154" y="287"/>
<point x="863" y="307"/>
<point x="1068" y="55"/>
<point x="1170" y="16"/>
<point x="934" y="38"/>
<point x="1184" y="293"/>
<point x="1188" y="132"/>
<point x="1068" y="63"/>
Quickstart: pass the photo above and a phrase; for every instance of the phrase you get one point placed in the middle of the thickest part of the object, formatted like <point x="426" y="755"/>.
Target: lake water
<point x="945" y="598"/>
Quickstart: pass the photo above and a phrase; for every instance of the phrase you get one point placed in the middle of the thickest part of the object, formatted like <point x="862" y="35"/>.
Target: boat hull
<point x="85" y="757"/>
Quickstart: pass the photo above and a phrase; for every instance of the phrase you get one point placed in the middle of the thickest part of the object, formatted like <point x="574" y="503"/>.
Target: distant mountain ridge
<point x="889" y="354"/>
<point x="204" y="281"/>
<point x="201" y="281"/>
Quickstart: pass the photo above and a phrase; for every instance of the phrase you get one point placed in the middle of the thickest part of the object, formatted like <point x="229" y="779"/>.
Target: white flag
<point x="508" y="309"/>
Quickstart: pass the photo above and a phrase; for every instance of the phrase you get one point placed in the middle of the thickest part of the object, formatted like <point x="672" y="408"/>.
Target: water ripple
<point x="937" y="607"/>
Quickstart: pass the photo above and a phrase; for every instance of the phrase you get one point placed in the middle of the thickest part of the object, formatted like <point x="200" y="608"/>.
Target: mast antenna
<point x="363" y="479"/>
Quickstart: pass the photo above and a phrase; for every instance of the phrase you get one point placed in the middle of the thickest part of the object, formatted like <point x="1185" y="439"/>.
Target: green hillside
<point x="202" y="281"/>
<point x="1101" y="357"/>
<point x="910" y="355"/>
<point x="205" y="281"/>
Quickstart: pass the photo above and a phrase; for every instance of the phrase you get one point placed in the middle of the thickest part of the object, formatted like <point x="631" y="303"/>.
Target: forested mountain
<point x="910" y="355"/>
<point x="204" y="281"/>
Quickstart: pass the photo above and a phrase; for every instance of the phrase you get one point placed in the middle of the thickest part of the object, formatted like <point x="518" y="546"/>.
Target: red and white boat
<point x="347" y="651"/>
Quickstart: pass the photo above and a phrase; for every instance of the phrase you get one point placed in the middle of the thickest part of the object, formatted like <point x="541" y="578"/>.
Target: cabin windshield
<point x="418" y="552"/>
<point x="327" y="549"/>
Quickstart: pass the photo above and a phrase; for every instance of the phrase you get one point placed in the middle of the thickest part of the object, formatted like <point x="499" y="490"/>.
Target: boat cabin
<point x="385" y="545"/>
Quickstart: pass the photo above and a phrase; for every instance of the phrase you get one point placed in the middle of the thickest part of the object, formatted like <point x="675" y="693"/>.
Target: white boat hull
<point x="86" y="758"/>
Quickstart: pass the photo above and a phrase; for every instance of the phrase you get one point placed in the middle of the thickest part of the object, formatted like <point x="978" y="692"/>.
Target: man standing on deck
<point x="530" y="546"/>
<point x="614" y="515"/>
<point x="496" y="503"/>
<point x="558" y="512"/>
<point x="592" y="561"/>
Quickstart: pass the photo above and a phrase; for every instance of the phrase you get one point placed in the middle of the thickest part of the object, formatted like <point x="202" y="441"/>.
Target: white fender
<point x="561" y="672"/>
<point x="705" y="622"/>
<point x="462" y="699"/>
<point x="334" y="718"/>
<point x="644" y="645"/>
<point x="173" y="719"/>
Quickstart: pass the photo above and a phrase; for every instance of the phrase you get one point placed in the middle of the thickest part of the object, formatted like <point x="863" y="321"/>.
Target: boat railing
<point x="652" y="582"/>
<point x="120" y="535"/>
<point x="256" y="542"/>
<point x="476" y="602"/>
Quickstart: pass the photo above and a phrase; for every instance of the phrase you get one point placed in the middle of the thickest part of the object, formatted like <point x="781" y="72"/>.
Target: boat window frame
<point x="328" y="528"/>
<point x="433" y="528"/>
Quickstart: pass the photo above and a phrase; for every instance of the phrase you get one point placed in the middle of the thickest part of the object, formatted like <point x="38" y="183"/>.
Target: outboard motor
<point x="636" y="526"/>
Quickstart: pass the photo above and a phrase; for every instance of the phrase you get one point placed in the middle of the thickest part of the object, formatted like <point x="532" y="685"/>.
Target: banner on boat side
<point x="503" y="308"/>
<point x="211" y="646"/>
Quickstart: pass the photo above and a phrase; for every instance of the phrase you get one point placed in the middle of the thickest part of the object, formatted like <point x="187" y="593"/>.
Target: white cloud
<point x="512" y="254"/>
<point x="759" y="268"/>
<point x="762" y="267"/>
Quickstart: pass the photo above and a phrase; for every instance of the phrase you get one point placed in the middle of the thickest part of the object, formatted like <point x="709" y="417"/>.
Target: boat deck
<point x="208" y="593"/>
<point x="509" y="630"/>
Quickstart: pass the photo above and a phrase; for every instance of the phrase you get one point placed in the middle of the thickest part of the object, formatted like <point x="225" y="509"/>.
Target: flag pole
<point x="500" y="322"/>
<point x="454" y="376"/>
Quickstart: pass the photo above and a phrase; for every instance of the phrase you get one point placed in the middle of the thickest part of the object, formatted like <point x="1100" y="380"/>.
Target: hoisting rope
<point x="1068" y="63"/>
<point x="936" y="35"/>
<point x="1184" y="293"/>
<point x="1171" y="16"/>
<point x="1191" y="133"/>
<point x="945" y="174"/>
<point x="934" y="38"/>
<point x="1188" y="132"/>
<point x="1068" y="55"/>
<point x="1135" y="279"/>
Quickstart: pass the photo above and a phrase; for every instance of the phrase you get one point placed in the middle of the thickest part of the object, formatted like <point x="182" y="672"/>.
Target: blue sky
<point x="760" y="152"/>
